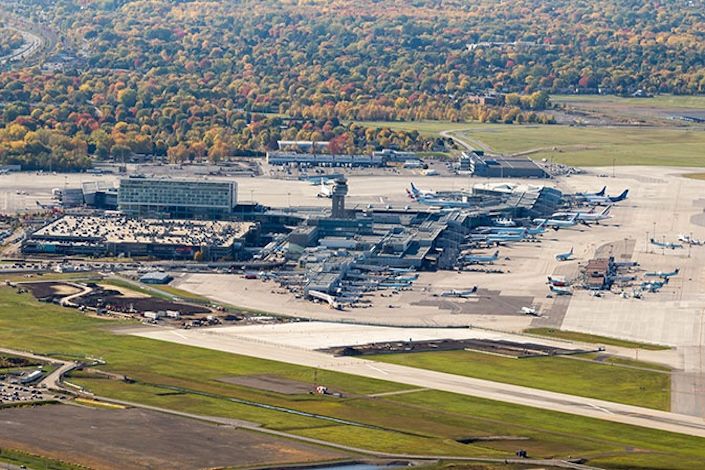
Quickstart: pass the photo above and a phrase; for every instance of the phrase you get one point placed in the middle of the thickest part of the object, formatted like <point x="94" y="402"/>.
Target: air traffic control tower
<point x="340" y="190"/>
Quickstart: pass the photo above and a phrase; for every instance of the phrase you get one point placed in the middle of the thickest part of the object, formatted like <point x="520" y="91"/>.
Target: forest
<point x="208" y="79"/>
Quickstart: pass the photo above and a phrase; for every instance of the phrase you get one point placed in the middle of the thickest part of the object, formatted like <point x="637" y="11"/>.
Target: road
<point x="581" y="406"/>
<point x="468" y="145"/>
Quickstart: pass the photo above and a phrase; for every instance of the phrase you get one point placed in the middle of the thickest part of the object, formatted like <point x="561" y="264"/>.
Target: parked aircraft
<point x="459" y="293"/>
<point x="538" y="230"/>
<point x="415" y="193"/>
<point x="560" y="290"/>
<point x="480" y="259"/>
<point x="557" y="281"/>
<point x="444" y="203"/>
<point x="601" y="192"/>
<point x="653" y="286"/>
<point x="604" y="200"/>
<point x="690" y="240"/>
<point x="565" y="256"/>
<point x="586" y="216"/>
<point x="556" y="224"/>
<point x="505" y="223"/>
<point x="326" y="189"/>
<point x="530" y="311"/>
<point x="670" y="245"/>
<point x="662" y="274"/>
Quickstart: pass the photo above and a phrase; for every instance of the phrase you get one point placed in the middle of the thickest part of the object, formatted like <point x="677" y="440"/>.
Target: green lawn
<point x="19" y="458"/>
<point x="426" y="128"/>
<point x="595" y="146"/>
<point x="558" y="374"/>
<point x="659" y="101"/>
<point x="588" y="338"/>
<point x="418" y="422"/>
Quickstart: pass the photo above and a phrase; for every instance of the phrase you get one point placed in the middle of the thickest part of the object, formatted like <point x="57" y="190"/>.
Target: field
<point x="80" y="434"/>
<point x="658" y="101"/>
<point x="586" y="338"/>
<point x="187" y="379"/>
<point x="648" y="388"/>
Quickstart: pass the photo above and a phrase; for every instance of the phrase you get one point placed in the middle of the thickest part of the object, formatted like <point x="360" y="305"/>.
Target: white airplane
<point x="505" y="223"/>
<point x="556" y="224"/>
<point x="604" y="200"/>
<point x="557" y="281"/>
<point x="326" y="189"/>
<point x="586" y="216"/>
<point x="690" y="240"/>
<point x="416" y="193"/>
<point x="670" y="245"/>
<point x="601" y="192"/>
<point x="565" y="256"/>
<point x="530" y="311"/>
<point x="464" y="294"/>
<point x="662" y="274"/>
<point x="480" y="259"/>
<point x="560" y="290"/>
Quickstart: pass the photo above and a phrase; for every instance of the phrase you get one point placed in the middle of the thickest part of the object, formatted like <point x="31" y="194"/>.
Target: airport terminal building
<point x="177" y="198"/>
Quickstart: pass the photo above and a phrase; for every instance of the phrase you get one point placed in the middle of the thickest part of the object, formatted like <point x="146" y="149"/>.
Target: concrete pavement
<point x="587" y="407"/>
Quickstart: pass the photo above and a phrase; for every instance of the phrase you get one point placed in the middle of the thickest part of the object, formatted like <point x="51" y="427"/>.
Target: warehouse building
<point x="503" y="166"/>
<point x="330" y="160"/>
<point x="177" y="198"/>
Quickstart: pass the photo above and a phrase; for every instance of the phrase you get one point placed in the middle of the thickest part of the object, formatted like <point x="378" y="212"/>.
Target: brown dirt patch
<point x="270" y="383"/>
<point x="140" y="439"/>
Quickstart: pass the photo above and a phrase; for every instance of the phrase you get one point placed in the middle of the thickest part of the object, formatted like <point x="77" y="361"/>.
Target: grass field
<point x="588" y="338"/>
<point x="590" y="379"/>
<point x="426" y="128"/>
<point x="596" y="146"/>
<point x="659" y="101"/>
<point x="187" y="379"/>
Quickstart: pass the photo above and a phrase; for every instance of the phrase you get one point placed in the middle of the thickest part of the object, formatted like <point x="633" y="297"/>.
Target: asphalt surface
<point x="587" y="407"/>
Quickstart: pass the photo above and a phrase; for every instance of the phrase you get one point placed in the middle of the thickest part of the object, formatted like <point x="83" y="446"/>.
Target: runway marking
<point x="377" y="369"/>
<point x="600" y="408"/>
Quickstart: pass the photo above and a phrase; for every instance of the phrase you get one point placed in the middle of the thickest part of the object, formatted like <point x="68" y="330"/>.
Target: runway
<point x="619" y="413"/>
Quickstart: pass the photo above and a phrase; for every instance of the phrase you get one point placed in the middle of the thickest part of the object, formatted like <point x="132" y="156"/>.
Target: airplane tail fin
<point x="571" y="251"/>
<point x="601" y="192"/>
<point x="622" y="196"/>
<point x="414" y="189"/>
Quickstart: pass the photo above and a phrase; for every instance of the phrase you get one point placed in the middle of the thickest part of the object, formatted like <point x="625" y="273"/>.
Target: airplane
<point x="459" y="293"/>
<point x="444" y="203"/>
<point x="500" y="238"/>
<point x="690" y="240"/>
<point x="49" y="206"/>
<point x="653" y="286"/>
<point x="663" y="275"/>
<point x="530" y="311"/>
<point x="601" y="192"/>
<point x="416" y="193"/>
<point x="560" y="290"/>
<point x="604" y="200"/>
<point x="556" y="224"/>
<point x="586" y="216"/>
<point x="538" y="230"/>
<point x="326" y="189"/>
<point x="401" y="270"/>
<point x="411" y="278"/>
<point x="505" y="223"/>
<point x="479" y="259"/>
<point x="670" y="245"/>
<point x="565" y="256"/>
<point x="557" y="281"/>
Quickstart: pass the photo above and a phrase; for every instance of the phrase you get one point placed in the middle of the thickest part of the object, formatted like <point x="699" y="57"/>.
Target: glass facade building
<point x="177" y="198"/>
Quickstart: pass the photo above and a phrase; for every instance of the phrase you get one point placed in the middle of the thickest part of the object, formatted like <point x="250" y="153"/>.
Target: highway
<point x="581" y="406"/>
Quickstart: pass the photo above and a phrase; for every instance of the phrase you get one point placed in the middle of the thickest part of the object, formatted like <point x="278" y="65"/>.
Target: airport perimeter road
<point x="626" y="414"/>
